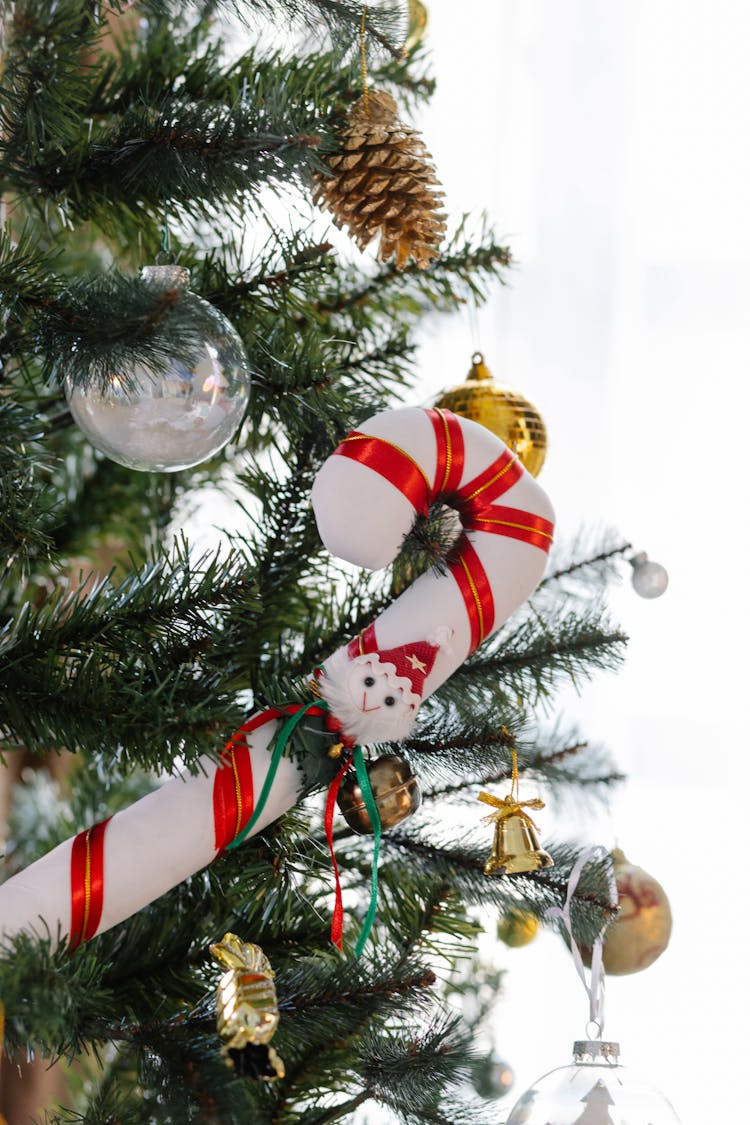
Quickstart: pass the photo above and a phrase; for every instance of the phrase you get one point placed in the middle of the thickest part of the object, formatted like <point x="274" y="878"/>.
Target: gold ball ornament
<point x="417" y="16"/>
<point x="517" y="928"/>
<point x="640" y="932"/>
<point x="394" y="787"/>
<point x="503" y="411"/>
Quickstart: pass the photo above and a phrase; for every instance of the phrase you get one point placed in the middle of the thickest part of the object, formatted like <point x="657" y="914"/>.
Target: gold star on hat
<point x="416" y="662"/>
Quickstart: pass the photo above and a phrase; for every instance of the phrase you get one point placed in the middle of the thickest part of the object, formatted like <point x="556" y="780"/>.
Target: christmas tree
<point x="206" y="138"/>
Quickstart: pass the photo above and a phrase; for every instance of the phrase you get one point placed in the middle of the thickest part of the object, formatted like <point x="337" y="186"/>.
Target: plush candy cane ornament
<point x="365" y="498"/>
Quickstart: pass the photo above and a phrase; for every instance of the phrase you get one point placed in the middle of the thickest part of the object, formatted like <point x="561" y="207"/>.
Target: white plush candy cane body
<point x="144" y="851"/>
<point x="365" y="498"/>
<point x="365" y="502"/>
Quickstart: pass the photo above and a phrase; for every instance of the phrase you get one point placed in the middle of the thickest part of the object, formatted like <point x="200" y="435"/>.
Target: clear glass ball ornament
<point x="173" y="417"/>
<point x="650" y="579"/>
<point x="594" y="1090"/>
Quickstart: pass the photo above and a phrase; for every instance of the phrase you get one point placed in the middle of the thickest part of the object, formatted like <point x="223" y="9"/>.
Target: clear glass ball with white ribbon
<point x="594" y="1090"/>
<point x="179" y="412"/>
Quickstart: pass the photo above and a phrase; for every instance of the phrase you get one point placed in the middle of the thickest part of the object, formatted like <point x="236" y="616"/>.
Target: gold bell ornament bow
<point x="515" y="846"/>
<point x="382" y="180"/>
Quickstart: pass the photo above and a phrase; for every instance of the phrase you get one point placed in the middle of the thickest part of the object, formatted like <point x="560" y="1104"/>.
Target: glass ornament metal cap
<point x="176" y="412"/>
<point x="594" y="1090"/>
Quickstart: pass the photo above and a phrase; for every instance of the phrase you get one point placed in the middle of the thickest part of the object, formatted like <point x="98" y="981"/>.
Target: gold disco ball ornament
<point x="509" y="415"/>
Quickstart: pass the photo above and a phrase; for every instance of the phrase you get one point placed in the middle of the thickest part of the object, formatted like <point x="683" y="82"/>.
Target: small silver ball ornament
<point x="649" y="579"/>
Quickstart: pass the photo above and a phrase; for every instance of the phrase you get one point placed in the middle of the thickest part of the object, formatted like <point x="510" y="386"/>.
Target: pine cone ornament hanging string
<point x="383" y="183"/>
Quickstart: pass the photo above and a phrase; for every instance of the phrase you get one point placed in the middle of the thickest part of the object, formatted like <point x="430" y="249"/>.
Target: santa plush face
<point x="367" y="696"/>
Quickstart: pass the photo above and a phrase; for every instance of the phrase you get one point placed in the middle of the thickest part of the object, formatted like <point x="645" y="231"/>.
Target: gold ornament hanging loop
<point x="363" y="51"/>
<point x="510" y="805"/>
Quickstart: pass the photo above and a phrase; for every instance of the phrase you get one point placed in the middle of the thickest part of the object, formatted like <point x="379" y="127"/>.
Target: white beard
<point x="342" y="687"/>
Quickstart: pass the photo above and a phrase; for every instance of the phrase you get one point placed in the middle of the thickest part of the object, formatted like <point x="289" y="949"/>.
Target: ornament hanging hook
<point x="595" y="986"/>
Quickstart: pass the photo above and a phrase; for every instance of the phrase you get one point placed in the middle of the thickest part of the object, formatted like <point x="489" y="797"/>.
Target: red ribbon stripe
<point x="86" y="883"/>
<point x="449" y="438"/>
<point x="391" y="462"/>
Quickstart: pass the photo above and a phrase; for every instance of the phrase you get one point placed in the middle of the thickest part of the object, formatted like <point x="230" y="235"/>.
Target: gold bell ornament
<point x="247" y="1012"/>
<point x="515" y="847"/>
<point x="503" y="411"/>
<point x="394" y="787"/>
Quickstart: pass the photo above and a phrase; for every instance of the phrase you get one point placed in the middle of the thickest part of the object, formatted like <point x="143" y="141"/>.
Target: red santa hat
<point x="411" y="662"/>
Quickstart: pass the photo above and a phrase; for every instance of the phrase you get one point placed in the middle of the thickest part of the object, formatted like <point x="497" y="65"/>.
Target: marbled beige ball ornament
<point x="641" y="931"/>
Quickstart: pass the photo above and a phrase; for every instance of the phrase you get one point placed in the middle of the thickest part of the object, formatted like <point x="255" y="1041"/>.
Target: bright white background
<point x="609" y="142"/>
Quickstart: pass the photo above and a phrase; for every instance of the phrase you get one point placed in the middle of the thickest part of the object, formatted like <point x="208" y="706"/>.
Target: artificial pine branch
<point x="464" y="270"/>
<point x="591" y="561"/>
<point x="530" y="658"/>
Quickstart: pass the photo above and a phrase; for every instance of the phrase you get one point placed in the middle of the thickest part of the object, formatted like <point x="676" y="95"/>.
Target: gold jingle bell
<point x="515" y="847"/>
<point x="503" y="411"/>
<point x="394" y="787"/>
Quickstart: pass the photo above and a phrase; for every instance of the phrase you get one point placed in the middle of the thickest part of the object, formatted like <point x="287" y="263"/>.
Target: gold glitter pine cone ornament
<point x="383" y="182"/>
<point x="503" y="411"/>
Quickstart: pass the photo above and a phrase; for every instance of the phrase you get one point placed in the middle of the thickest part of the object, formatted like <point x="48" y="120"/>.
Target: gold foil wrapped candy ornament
<point x="503" y="411"/>
<point x="247" y="1012"/>
<point x="394" y="787"/>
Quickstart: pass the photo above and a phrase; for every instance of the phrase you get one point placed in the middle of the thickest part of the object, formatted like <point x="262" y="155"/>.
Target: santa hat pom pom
<point x="441" y="637"/>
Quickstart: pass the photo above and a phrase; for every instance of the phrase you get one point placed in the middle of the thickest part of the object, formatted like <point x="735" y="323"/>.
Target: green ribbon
<point x="372" y="810"/>
<point x="282" y="739"/>
<point x="278" y="753"/>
